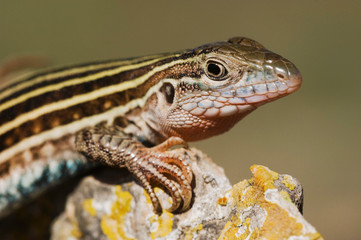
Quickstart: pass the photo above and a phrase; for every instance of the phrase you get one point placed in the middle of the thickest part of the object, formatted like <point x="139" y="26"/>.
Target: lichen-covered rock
<point x="267" y="206"/>
<point x="259" y="208"/>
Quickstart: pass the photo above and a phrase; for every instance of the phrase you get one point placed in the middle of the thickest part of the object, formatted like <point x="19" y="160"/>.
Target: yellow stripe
<point x="85" y="97"/>
<point x="76" y="126"/>
<point x="71" y="71"/>
<point x="74" y="81"/>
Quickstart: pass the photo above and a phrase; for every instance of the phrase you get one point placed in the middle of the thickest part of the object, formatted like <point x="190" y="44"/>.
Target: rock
<point x="262" y="207"/>
<point x="267" y="206"/>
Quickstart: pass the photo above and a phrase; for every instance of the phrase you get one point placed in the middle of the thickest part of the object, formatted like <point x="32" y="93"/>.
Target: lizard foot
<point x="159" y="166"/>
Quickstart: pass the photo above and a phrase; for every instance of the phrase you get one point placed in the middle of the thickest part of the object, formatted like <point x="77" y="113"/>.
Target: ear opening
<point x="168" y="90"/>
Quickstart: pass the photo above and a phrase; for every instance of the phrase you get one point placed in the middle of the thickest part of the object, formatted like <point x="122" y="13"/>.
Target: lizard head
<point x="229" y="80"/>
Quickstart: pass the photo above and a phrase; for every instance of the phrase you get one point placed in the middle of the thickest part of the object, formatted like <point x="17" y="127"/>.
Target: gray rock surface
<point x="101" y="208"/>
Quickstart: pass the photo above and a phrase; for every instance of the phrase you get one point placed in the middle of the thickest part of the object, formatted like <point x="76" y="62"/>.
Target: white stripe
<point x="74" y="127"/>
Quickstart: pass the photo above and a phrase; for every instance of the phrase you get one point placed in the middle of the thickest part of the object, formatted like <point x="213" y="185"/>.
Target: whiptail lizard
<point x="56" y="123"/>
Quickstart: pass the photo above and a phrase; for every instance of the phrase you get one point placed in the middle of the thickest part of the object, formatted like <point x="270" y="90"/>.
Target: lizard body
<point x="128" y="113"/>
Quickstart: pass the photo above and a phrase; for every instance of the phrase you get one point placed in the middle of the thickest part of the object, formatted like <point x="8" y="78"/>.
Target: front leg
<point x="156" y="166"/>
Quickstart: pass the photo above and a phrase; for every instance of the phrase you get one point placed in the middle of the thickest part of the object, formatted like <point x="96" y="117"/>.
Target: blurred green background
<point x="314" y="134"/>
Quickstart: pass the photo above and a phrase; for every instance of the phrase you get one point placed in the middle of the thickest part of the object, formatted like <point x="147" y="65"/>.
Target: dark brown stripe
<point x="94" y="107"/>
<point x="4" y="168"/>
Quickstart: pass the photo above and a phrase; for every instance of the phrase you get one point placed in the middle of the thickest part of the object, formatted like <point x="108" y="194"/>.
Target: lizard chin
<point x="198" y="125"/>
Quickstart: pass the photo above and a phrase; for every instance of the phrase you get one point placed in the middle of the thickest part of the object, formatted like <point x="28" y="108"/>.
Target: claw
<point x="153" y="198"/>
<point x="180" y="162"/>
<point x="182" y="179"/>
<point x="167" y="169"/>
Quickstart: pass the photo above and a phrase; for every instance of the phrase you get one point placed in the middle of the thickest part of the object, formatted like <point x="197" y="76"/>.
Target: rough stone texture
<point x="267" y="206"/>
<point x="259" y="208"/>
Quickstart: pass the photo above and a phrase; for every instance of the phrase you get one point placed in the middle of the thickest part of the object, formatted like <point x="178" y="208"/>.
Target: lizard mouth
<point x="241" y="99"/>
<point x="265" y="92"/>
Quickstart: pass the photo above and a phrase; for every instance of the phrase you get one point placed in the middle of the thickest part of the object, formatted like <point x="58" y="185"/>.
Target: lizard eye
<point x="216" y="71"/>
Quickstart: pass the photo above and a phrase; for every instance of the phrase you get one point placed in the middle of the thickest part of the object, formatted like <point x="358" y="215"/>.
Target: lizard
<point x="130" y="113"/>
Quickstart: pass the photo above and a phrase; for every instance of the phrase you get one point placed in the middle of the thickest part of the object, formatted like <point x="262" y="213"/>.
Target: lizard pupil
<point x="214" y="69"/>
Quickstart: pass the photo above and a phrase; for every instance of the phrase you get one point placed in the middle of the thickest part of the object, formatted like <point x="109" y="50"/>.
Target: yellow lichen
<point x="277" y="221"/>
<point x="161" y="225"/>
<point x="75" y="232"/>
<point x="247" y="229"/>
<point x="222" y="201"/>
<point x="157" y="191"/>
<point x="229" y="231"/>
<point x="315" y="236"/>
<point x="113" y="224"/>
<point x="263" y="176"/>
<point x="287" y="181"/>
<point x="278" y="224"/>
<point x="191" y="232"/>
<point x="247" y="198"/>
<point x="88" y="206"/>
<point x="285" y="196"/>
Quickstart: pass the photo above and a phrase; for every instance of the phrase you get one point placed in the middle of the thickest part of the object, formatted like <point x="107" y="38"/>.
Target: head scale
<point x="233" y="78"/>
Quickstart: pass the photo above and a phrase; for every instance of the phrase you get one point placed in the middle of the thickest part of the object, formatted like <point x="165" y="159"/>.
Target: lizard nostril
<point x="281" y="76"/>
